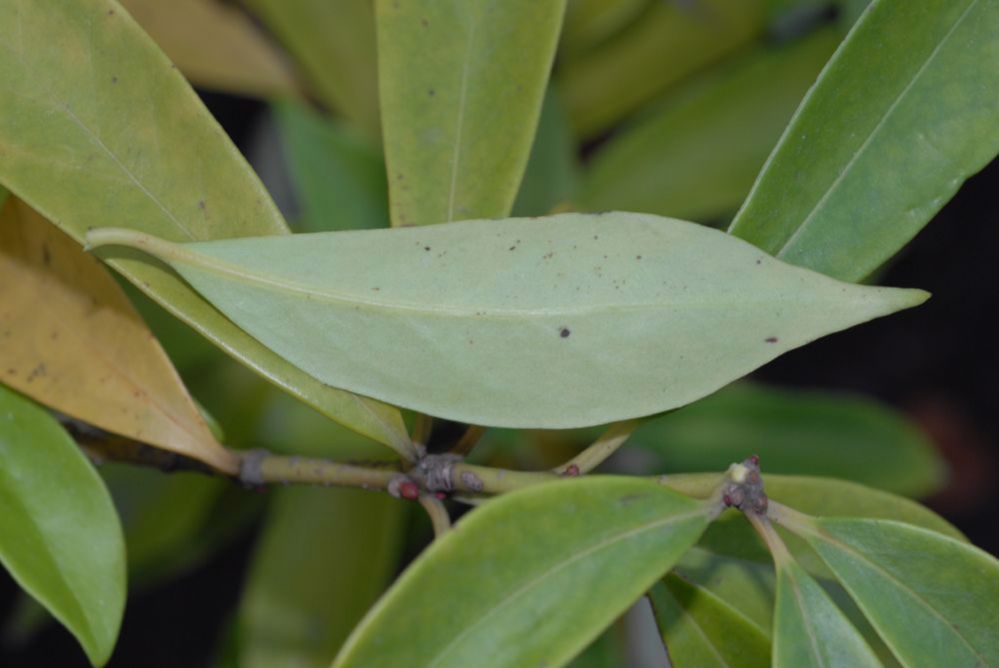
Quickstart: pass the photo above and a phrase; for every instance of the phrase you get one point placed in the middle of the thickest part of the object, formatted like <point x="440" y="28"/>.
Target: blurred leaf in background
<point x="337" y="174"/>
<point x="695" y="152"/>
<point x="334" y="44"/>
<point x="216" y="46"/>
<point x="551" y="179"/>
<point x="796" y="432"/>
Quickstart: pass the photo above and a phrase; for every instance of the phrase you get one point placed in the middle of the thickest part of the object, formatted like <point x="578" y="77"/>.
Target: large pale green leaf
<point x="337" y="174"/>
<point x="461" y="86"/>
<point x="669" y="42"/>
<point x="902" y="114"/>
<point x="701" y="630"/>
<point x="107" y="118"/>
<point x="323" y="559"/>
<point x="809" y="630"/>
<point x="796" y="432"/>
<point x="934" y="599"/>
<point x="59" y="535"/>
<point x="697" y="154"/>
<point x="565" y="321"/>
<point x="529" y="578"/>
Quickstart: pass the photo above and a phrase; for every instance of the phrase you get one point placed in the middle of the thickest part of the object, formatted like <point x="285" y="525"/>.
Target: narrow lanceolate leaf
<point x="458" y="118"/>
<point x="299" y="605"/>
<point x="701" y="630"/>
<point x="530" y="578"/>
<point x="933" y="599"/>
<point x="71" y="340"/>
<point x="913" y="85"/>
<point x="59" y="535"/>
<point x="216" y="46"/>
<point x="809" y="630"/>
<point x="130" y="144"/>
<point x="797" y="432"/>
<point x="566" y="321"/>
<point x="334" y="45"/>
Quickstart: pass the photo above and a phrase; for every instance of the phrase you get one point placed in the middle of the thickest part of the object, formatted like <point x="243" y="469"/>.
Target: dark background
<point x="937" y="363"/>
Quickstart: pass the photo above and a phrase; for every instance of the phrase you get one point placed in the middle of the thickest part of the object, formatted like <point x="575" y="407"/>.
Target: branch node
<point x="436" y="472"/>
<point x="251" y="467"/>
<point x="744" y="487"/>
<point x="402" y="487"/>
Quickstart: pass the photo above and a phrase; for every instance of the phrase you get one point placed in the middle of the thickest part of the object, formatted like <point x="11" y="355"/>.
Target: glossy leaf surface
<point x="696" y="154"/>
<point x="129" y="143"/>
<point x="809" y="630"/>
<point x="461" y="86"/>
<point x="72" y="341"/>
<point x="933" y="599"/>
<point x="797" y="432"/>
<point x="912" y="85"/>
<point x="216" y="46"/>
<point x="59" y="534"/>
<point x="338" y="175"/>
<point x="567" y="321"/>
<point x="513" y="584"/>
<point x="701" y="630"/>
<point x="334" y="44"/>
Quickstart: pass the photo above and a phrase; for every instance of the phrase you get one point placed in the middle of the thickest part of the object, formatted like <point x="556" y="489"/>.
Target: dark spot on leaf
<point x="37" y="372"/>
<point x="114" y="80"/>
<point x="46" y="256"/>
<point x="514" y="247"/>
<point x="110" y="12"/>
<point x="771" y="339"/>
<point x="425" y="23"/>
<point x="431" y="92"/>
<point x="201" y="204"/>
<point x="426" y="248"/>
<point x="638" y="257"/>
<point x="628" y="499"/>
<point x="758" y="261"/>
<point x="564" y="332"/>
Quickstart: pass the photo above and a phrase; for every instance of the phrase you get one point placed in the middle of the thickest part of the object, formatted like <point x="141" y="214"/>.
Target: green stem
<point x="595" y="454"/>
<point x="438" y="514"/>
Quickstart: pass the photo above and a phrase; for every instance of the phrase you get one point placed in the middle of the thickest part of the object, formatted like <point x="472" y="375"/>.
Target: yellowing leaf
<point x="70" y="339"/>
<point x="215" y="45"/>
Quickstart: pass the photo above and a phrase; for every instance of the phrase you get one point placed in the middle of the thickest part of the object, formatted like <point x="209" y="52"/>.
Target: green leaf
<point x="745" y="585"/>
<point x="334" y="44"/>
<point x="912" y="86"/>
<point x="128" y="143"/>
<point x="338" y="175"/>
<point x="567" y="321"/>
<point x="299" y="605"/>
<point x="934" y="599"/>
<point x="59" y="535"/>
<point x="797" y="432"/>
<point x="696" y="155"/>
<point x="670" y="42"/>
<point x="701" y="630"/>
<point x="461" y="84"/>
<point x="809" y="630"/>
<point x="551" y="177"/>
<point x="529" y="578"/>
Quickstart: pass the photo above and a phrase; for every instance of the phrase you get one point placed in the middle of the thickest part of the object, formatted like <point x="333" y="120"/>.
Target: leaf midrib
<point x="820" y="204"/>
<point x="183" y="256"/>
<point x="825" y="536"/>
